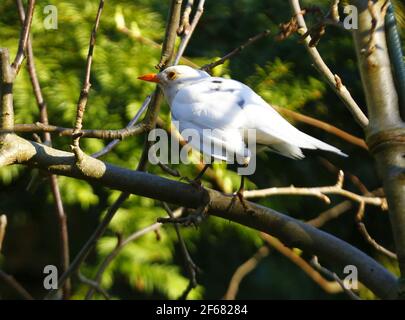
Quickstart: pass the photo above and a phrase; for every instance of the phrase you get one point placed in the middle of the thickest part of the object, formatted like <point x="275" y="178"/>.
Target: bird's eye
<point x="171" y="75"/>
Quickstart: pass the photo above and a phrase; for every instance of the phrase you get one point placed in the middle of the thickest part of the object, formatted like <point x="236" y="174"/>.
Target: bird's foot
<point x="194" y="218"/>
<point x="196" y="183"/>
<point x="239" y="196"/>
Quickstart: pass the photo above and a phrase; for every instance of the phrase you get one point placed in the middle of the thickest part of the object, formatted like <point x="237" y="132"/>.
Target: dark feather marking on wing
<point x="241" y="103"/>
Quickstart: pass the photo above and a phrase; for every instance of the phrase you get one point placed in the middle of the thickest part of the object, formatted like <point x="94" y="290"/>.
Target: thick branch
<point x="386" y="132"/>
<point x="289" y="230"/>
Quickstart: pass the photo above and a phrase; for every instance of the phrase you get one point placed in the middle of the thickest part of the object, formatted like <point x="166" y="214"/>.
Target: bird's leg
<point x="239" y="193"/>
<point x="196" y="182"/>
<point x="194" y="218"/>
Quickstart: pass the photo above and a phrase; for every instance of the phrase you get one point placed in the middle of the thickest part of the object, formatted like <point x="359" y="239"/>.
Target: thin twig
<point x="3" y="225"/>
<point x="331" y="287"/>
<point x="244" y="269"/>
<point x="234" y="52"/>
<point x="13" y="283"/>
<point x="25" y="32"/>
<point x="319" y="192"/>
<point x="90" y="243"/>
<point x="130" y="125"/>
<point x="323" y="125"/>
<point x="353" y="178"/>
<point x="137" y="36"/>
<point x="342" y="91"/>
<point x="191" y="267"/>
<point x="187" y="29"/>
<point x="6" y="93"/>
<point x="62" y="220"/>
<point x="330" y="214"/>
<point x="8" y="279"/>
<point x="315" y="263"/>
<point x="363" y="231"/>
<point x="84" y="94"/>
<point x="94" y="285"/>
<point x="185" y="19"/>
<point x="171" y="34"/>
<point x="39" y="127"/>
<point x="121" y="244"/>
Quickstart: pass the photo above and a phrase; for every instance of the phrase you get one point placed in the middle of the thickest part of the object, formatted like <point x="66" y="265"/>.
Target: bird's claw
<point x="196" y="183"/>
<point x="192" y="219"/>
<point x="239" y="196"/>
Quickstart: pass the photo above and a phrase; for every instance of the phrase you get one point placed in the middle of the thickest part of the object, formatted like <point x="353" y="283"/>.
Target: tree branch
<point x="53" y="180"/>
<point x="319" y="192"/>
<point x="39" y="127"/>
<point x="25" y="32"/>
<point x="6" y="90"/>
<point x="84" y="94"/>
<point x="243" y="270"/>
<point x="290" y="231"/>
<point x="323" y="69"/>
<point x="187" y="29"/>
<point x="235" y="51"/>
<point x="323" y="125"/>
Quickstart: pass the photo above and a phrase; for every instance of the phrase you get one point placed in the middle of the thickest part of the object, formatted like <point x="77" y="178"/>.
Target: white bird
<point x="199" y="101"/>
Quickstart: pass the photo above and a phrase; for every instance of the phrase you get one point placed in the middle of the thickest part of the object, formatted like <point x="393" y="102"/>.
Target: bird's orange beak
<point x="151" y="77"/>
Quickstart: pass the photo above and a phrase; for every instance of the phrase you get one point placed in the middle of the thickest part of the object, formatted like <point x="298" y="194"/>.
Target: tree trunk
<point x="385" y="133"/>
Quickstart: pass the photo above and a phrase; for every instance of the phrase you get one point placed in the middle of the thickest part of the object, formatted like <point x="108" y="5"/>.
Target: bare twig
<point x="8" y="279"/>
<point x="319" y="192"/>
<point x="91" y="242"/>
<point x="334" y="11"/>
<point x="185" y="19"/>
<point x="62" y="221"/>
<point x="342" y="92"/>
<point x="331" y="287"/>
<point x="84" y="94"/>
<point x="330" y="214"/>
<point x="323" y="125"/>
<point x="353" y="178"/>
<point x="171" y="34"/>
<point x="63" y="232"/>
<point x="13" y="283"/>
<point x="363" y="231"/>
<point x="94" y="285"/>
<point x="137" y="36"/>
<point x="315" y="263"/>
<point x="234" y="52"/>
<point x="3" y="225"/>
<point x="25" y="32"/>
<point x="121" y="245"/>
<point x="130" y="125"/>
<point x="6" y="93"/>
<point x="186" y="30"/>
<point x="244" y="269"/>
<point x="39" y="127"/>
<point x="191" y="267"/>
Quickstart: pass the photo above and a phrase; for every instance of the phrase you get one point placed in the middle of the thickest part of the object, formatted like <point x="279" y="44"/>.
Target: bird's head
<point x="175" y="76"/>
